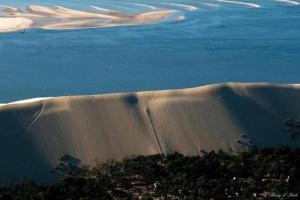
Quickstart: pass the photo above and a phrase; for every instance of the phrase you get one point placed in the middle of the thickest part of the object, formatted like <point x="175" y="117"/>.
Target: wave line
<point x="187" y="7"/>
<point x="251" y="5"/>
<point x="289" y="2"/>
<point x="210" y="4"/>
<point x="145" y="5"/>
<point x="102" y="9"/>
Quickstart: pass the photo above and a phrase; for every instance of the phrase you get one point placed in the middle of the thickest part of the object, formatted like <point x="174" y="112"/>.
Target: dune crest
<point x="34" y="133"/>
<point x="58" y="17"/>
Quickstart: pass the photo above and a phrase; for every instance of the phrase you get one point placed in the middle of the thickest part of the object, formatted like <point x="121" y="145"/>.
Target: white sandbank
<point x="58" y="17"/>
<point x="14" y="24"/>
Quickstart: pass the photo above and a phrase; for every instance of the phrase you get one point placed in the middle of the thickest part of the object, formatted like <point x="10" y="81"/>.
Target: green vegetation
<point x="259" y="174"/>
<point x="292" y="127"/>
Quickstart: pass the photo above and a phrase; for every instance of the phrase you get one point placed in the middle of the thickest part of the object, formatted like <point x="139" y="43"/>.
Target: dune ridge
<point x="34" y="133"/>
<point x="58" y="17"/>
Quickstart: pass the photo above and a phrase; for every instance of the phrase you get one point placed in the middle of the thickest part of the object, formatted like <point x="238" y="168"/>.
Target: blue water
<point x="212" y="45"/>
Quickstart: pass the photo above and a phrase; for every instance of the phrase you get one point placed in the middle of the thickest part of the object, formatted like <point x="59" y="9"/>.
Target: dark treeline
<point x="258" y="174"/>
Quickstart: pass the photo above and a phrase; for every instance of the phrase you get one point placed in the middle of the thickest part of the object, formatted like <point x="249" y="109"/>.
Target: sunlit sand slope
<point x="14" y="24"/>
<point x="96" y="128"/>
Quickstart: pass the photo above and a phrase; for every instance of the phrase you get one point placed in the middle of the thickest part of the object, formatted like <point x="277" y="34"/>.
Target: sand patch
<point x="58" y="17"/>
<point x="14" y="24"/>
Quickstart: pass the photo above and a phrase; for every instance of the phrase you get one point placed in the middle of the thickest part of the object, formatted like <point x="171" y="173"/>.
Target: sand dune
<point x="57" y="17"/>
<point x="36" y="132"/>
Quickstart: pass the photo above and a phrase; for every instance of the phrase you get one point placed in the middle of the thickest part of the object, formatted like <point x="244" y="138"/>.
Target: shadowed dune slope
<point x="97" y="128"/>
